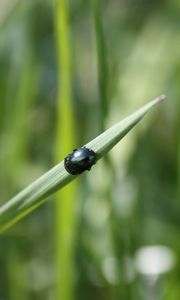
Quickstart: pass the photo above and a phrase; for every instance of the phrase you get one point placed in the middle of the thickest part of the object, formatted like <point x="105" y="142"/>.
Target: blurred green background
<point x="68" y="70"/>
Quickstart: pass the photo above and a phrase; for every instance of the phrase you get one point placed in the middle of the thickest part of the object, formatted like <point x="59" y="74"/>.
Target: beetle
<point x="79" y="160"/>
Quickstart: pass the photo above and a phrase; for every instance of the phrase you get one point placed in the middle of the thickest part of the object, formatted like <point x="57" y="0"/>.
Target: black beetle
<point x="79" y="160"/>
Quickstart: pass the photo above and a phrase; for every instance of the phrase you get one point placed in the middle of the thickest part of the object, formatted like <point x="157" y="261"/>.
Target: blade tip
<point x="161" y="98"/>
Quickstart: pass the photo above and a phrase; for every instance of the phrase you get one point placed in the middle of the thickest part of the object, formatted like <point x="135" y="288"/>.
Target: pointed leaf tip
<point x="161" y="98"/>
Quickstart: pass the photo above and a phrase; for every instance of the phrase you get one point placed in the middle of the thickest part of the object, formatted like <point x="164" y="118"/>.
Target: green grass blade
<point x="64" y="212"/>
<point x="36" y="193"/>
<point x="102" y="65"/>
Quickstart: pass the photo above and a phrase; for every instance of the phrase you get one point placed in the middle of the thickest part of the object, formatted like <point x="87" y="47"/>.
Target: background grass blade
<point x="36" y="193"/>
<point x="64" y="226"/>
<point x="102" y="65"/>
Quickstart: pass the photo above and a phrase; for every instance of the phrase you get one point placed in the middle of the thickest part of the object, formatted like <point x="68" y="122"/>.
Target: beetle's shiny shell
<point x="79" y="160"/>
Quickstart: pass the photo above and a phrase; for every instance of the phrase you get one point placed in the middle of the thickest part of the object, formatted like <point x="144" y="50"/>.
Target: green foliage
<point x="68" y="70"/>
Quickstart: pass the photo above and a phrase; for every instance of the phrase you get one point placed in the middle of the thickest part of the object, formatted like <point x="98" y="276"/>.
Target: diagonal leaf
<point x="37" y="192"/>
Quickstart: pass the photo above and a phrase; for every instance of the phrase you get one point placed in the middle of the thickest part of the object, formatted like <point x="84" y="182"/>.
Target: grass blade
<point x="102" y="65"/>
<point x="36" y="193"/>
<point x="65" y="204"/>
